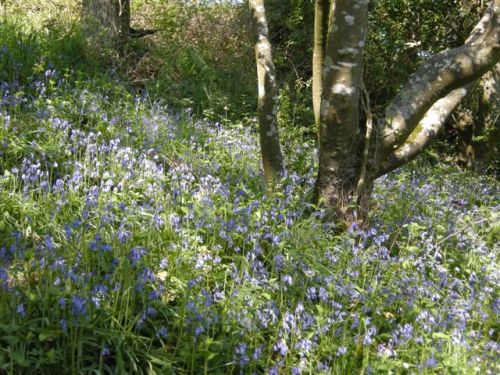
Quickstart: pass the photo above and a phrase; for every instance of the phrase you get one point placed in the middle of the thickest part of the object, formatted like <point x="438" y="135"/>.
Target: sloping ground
<point x="138" y="239"/>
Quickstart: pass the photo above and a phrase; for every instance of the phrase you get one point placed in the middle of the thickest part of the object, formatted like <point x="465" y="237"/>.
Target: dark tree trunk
<point x="487" y="131"/>
<point x="106" y="19"/>
<point x="464" y="125"/>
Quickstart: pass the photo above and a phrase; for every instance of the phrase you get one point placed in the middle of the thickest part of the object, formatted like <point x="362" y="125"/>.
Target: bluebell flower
<point x="287" y="280"/>
<point x="163" y="263"/>
<point x="279" y="261"/>
<point x="136" y="254"/>
<point x="155" y="294"/>
<point x="323" y="366"/>
<point x="123" y="235"/>
<point x="150" y="311"/>
<point x="257" y="353"/>
<point x="63" y="325"/>
<point x="241" y="354"/>
<point x="20" y="310"/>
<point x="304" y="346"/>
<point x="49" y="243"/>
<point x="199" y="330"/>
<point x="161" y="332"/>
<point x="218" y="296"/>
<point x="341" y="350"/>
<point x="281" y="347"/>
<point x="311" y="293"/>
<point x="78" y="306"/>
<point x="289" y="323"/>
<point x="105" y="351"/>
<point x="430" y="362"/>
<point x="307" y="321"/>
<point x="4" y="278"/>
<point x="367" y="339"/>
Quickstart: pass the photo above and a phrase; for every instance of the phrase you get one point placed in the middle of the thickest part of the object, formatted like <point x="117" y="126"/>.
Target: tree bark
<point x="486" y="131"/>
<point x="339" y="133"/>
<point x="321" y="9"/>
<point x="106" y="18"/>
<point x="429" y="127"/>
<point x="267" y="97"/>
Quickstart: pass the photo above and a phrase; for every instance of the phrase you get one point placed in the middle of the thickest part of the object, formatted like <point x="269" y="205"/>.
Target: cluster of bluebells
<point x="166" y="215"/>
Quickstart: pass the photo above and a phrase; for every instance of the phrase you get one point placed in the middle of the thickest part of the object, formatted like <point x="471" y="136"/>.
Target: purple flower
<point x="304" y="346"/>
<point x="257" y="353"/>
<point x="78" y="307"/>
<point x="430" y="362"/>
<point x="279" y="261"/>
<point x="161" y="332"/>
<point x="163" y="263"/>
<point x="402" y="334"/>
<point x="63" y="325"/>
<point x="105" y="351"/>
<point x="123" y="235"/>
<point x="49" y="242"/>
<point x="311" y="293"/>
<point x="155" y="294"/>
<point x="341" y="351"/>
<point x="367" y="340"/>
<point x="241" y="354"/>
<point x="287" y="280"/>
<point x="136" y="254"/>
<point x="158" y="221"/>
<point x="281" y="347"/>
<point x="199" y="330"/>
<point x="20" y="310"/>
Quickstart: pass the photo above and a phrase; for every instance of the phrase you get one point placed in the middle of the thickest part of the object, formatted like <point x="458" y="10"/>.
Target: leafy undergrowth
<point x="136" y="239"/>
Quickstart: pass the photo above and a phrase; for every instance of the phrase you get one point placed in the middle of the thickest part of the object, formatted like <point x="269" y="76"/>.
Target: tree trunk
<point x="464" y="126"/>
<point x="267" y="100"/>
<point x="108" y="20"/>
<point x="340" y="138"/>
<point x="487" y="131"/>
<point x="321" y="10"/>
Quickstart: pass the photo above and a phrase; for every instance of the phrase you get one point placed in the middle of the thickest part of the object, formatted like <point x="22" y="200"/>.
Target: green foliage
<point x="29" y="51"/>
<point x="202" y="62"/>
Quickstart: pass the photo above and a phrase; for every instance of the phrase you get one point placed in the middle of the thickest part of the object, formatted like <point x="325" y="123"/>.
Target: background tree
<point x="267" y="99"/>
<point x="108" y="18"/>
<point x="477" y="125"/>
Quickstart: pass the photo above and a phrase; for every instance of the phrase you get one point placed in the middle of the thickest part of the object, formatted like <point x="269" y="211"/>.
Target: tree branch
<point x="441" y="74"/>
<point x="428" y="128"/>
<point x="139" y="33"/>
